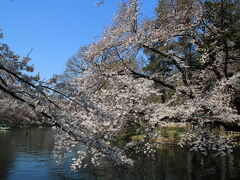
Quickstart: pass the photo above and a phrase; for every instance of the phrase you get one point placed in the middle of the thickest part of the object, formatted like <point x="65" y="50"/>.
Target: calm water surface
<point x="27" y="154"/>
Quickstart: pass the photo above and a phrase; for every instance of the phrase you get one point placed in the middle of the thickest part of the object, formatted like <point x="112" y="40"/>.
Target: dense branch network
<point x="182" y="66"/>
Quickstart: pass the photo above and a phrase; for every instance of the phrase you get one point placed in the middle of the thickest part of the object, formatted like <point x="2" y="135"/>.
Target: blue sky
<point x="56" y="29"/>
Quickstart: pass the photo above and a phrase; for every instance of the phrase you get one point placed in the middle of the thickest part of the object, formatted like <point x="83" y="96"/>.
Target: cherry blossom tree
<point x="104" y="89"/>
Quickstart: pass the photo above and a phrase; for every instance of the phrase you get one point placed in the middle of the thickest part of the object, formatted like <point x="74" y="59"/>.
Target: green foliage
<point x="170" y="134"/>
<point x="219" y="33"/>
<point x="156" y="62"/>
<point x="138" y="137"/>
<point x="181" y="45"/>
<point x="169" y="93"/>
<point x="134" y="130"/>
<point x="222" y="24"/>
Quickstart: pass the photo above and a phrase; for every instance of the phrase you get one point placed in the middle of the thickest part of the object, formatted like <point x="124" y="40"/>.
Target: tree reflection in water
<point x="27" y="154"/>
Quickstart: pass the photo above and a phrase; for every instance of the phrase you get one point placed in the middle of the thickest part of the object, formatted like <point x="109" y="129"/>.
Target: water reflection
<point x="27" y="154"/>
<point x="7" y="153"/>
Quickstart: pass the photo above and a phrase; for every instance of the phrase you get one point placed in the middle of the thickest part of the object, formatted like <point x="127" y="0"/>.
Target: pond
<point x="27" y="154"/>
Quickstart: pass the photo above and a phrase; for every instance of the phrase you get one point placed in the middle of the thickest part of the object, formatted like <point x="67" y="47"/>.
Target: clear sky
<point x="56" y="29"/>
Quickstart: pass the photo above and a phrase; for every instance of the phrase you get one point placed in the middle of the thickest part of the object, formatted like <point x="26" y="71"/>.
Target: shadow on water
<point x="172" y="163"/>
<point x="27" y="154"/>
<point x="7" y="153"/>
